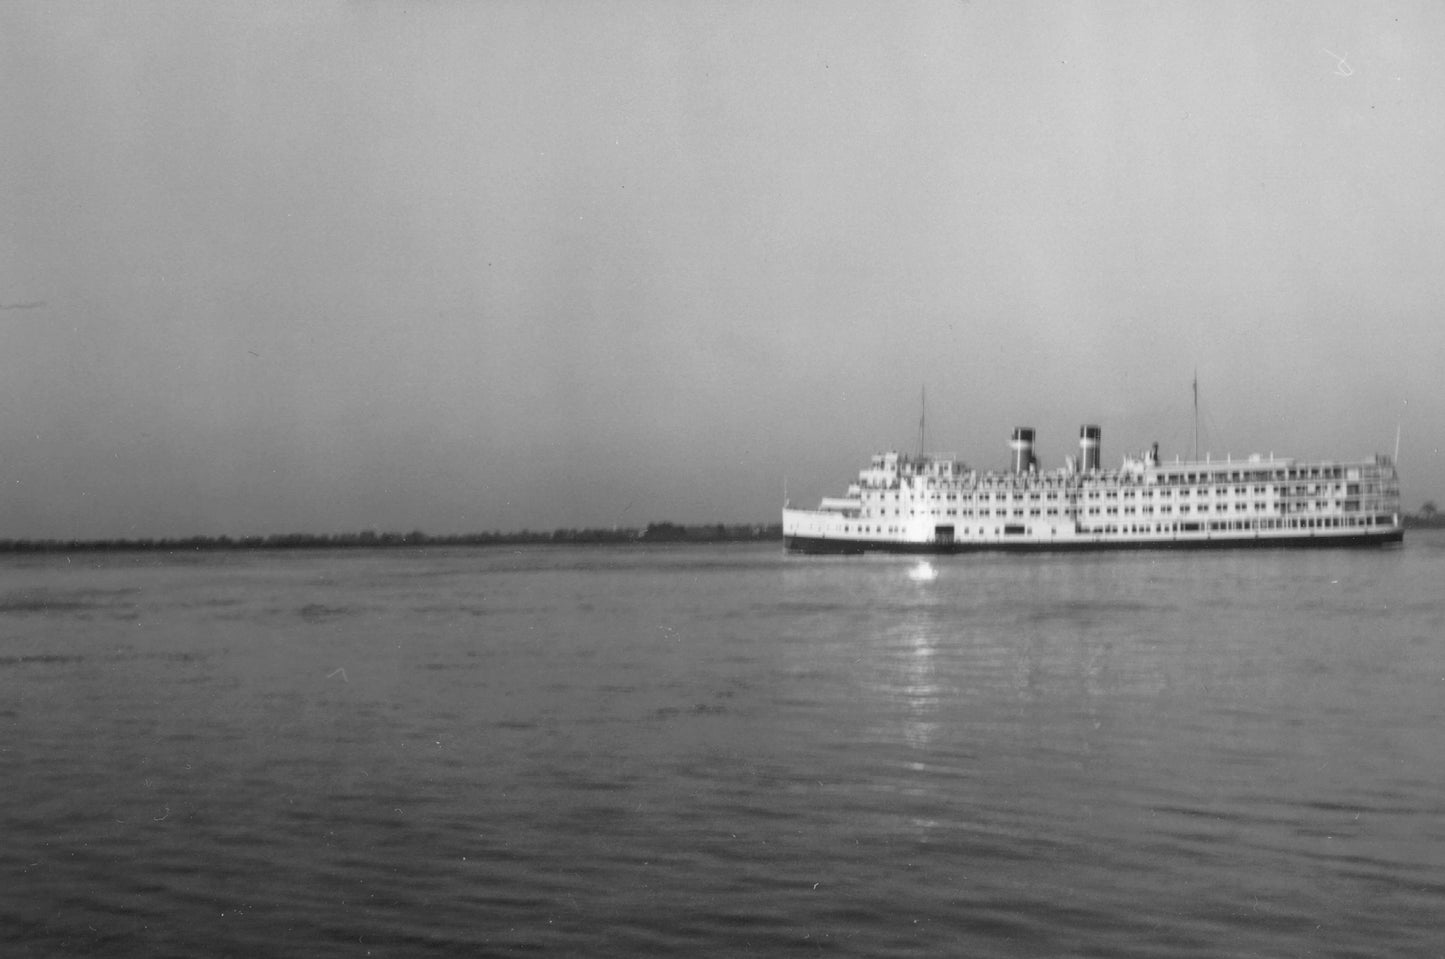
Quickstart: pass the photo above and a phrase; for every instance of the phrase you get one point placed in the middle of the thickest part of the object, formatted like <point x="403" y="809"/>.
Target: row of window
<point x="887" y="479"/>
<point x="1317" y="522"/>
<point x="1129" y="494"/>
<point x="1147" y="510"/>
<point x="1277" y="474"/>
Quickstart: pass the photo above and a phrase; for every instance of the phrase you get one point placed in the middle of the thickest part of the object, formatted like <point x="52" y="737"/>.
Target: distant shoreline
<point x="652" y="533"/>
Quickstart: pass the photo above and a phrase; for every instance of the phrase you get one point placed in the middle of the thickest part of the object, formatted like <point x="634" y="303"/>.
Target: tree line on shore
<point x="1429" y="517"/>
<point x="370" y="539"/>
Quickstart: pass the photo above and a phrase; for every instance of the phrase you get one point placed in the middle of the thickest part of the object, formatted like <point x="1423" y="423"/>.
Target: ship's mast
<point x="922" y="416"/>
<point x="1196" y="415"/>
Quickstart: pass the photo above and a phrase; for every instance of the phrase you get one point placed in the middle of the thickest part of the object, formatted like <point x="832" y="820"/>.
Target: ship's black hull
<point x="822" y="545"/>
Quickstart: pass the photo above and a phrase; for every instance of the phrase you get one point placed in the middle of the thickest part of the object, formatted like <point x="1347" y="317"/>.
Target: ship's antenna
<point x="1396" y="460"/>
<point x="922" y="416"/>
<point x="1196" y="414"/>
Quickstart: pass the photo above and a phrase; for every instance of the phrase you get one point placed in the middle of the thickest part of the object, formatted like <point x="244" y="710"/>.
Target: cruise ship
<point x="936" y="504"/>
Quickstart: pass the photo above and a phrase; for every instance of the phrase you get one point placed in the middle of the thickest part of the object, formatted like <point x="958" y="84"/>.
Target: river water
<point x="723" y="750"/>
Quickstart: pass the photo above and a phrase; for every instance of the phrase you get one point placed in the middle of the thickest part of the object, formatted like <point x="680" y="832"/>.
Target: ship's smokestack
<point x="1022" y="445"/>
<point x="1089" y="449"/>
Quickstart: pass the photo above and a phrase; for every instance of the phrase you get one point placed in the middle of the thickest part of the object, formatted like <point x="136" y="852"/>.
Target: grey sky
<point x="499" y="265"/>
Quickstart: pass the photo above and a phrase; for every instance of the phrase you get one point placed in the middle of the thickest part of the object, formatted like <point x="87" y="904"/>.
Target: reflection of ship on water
<point x="937" y="666"/>
<point x="902" y="677"/>
<point x="924" y="572"/>
<point x="958" y="642"/>
<point x="921" y="691"/>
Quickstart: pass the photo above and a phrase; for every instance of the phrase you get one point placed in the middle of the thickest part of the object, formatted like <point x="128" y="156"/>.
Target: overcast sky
<point x="472" y="266"/>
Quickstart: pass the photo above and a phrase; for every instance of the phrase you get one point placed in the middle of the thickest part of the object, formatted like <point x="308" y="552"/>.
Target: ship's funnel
<point x="1089" y="449"/>
<point x="1022" y="445"/>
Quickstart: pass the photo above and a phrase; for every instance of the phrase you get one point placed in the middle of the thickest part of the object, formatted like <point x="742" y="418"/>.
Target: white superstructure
<point x="935" y="503"/>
